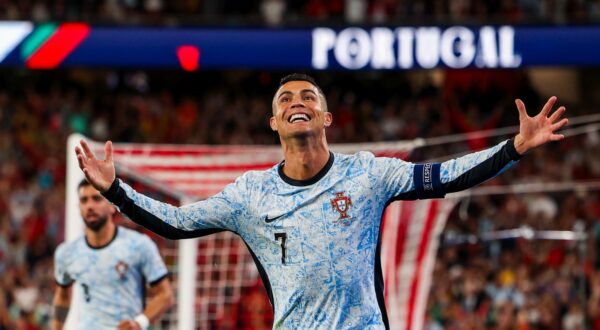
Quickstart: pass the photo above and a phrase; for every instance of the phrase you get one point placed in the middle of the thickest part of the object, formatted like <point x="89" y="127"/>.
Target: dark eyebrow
<point x="283" y="93"/>
<point x="308" y="91"/>
<point x="302" y="92"/>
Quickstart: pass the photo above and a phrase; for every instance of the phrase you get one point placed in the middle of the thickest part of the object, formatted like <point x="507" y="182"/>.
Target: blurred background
<point x="513" y="283"/>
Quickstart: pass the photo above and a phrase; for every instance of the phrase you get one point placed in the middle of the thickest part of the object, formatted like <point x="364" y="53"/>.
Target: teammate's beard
<point x="98" y="224"/>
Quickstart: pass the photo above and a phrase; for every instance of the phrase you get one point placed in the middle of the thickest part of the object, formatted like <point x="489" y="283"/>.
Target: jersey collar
<point x="102" y="246"/>
<point x="309" y="181"/>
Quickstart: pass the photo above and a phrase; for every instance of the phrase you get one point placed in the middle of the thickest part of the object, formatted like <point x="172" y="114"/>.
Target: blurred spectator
<point x="273" y="11"/>
<point x="305" y="12"/>
<point x="355" y="11"/>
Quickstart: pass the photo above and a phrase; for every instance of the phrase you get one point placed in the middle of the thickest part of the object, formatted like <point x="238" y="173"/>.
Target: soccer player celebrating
<point x="312" y="222"/>
<point x="112" y="265"/>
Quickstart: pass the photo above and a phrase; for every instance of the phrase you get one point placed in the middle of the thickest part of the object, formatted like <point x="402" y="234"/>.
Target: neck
<point x="101" y="237"/>
<point x="304" y="158"/>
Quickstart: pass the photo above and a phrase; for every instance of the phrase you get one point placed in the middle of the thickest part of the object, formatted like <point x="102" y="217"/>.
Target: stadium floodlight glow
<point x="11" y="34"/>
<point x="406" y="47"/>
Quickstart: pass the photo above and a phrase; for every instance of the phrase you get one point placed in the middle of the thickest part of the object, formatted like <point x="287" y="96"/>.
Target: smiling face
<point x="299" y="109"/>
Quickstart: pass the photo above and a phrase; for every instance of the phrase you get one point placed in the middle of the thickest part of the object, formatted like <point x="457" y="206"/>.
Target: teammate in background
<point x="112" y="265"/>
<point x="312" y="222"/>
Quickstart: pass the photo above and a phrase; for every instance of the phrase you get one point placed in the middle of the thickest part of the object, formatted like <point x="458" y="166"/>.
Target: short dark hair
<point x="300" y="77"/>
<point x="83" y="183"/>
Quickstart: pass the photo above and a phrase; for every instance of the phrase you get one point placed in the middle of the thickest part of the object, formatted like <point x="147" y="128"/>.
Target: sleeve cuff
<point x="111" y="193"/>
<point x="158" y="280"/>
<point x="512" y="152"/>
<point x="62" y="285"/>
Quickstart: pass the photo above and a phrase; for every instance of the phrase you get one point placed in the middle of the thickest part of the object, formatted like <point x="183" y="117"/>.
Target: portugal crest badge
<point x="341" y="204"/>
<point x="121" y="268"/>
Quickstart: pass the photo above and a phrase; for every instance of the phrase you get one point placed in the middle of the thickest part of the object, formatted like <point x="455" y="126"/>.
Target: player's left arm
<point x="473" y="169"/>
<point x="160" y="293"/>
<point x="159" y="301"/>
<point x="435" y="180"/>
<point x="470" y="170"/>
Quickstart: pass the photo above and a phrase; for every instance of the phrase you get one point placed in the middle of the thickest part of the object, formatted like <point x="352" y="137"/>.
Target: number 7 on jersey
<point x="283" y="237"/>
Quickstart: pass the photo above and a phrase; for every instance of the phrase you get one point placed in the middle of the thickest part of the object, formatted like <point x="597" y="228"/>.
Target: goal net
<point x="216" y="283"/>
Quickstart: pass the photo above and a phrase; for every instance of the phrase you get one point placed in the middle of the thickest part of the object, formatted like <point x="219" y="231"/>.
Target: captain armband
<point x="427" y="181"/>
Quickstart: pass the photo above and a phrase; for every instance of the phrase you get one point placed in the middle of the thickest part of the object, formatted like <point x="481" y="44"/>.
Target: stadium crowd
<point x="508" y="284"/>
<point x="304" y="12"/>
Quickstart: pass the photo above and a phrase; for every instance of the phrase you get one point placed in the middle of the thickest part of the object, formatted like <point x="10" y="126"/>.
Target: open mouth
<point x="298" y="117"/>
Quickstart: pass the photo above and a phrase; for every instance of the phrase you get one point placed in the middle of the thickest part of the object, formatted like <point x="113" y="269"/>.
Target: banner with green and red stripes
<point x="43" y="47"/>
<point x="49" y="44"/>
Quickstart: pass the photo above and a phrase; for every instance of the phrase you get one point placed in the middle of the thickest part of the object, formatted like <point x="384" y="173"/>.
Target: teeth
<point x="298" y="117"/>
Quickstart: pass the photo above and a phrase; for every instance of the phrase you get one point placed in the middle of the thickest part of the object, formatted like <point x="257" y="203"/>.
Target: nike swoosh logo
<point x="269" y="220"/>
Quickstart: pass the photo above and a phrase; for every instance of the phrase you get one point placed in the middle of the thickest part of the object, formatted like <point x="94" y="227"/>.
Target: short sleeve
<point x="61" y="275"/>
<point x="152" y="266"/>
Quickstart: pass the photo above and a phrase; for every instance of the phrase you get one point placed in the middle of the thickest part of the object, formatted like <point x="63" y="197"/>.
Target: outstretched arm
<point x="473" y="169"/>
<point x="437" y="179"/>
<point x="202" y="218"/>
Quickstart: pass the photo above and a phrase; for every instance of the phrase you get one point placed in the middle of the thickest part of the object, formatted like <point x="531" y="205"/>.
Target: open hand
<point x="99" y="172"/>
<point x="535" y="131"/>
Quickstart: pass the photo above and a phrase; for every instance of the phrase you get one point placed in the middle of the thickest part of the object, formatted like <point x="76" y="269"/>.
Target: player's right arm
<point x="60" y="306"/>
<point x="212" y="215"/>
<point x="62" y="295"/>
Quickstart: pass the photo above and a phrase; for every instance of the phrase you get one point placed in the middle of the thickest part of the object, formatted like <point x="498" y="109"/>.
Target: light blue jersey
<point x="112" y="278"/>
<point x="316" y="242"/>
